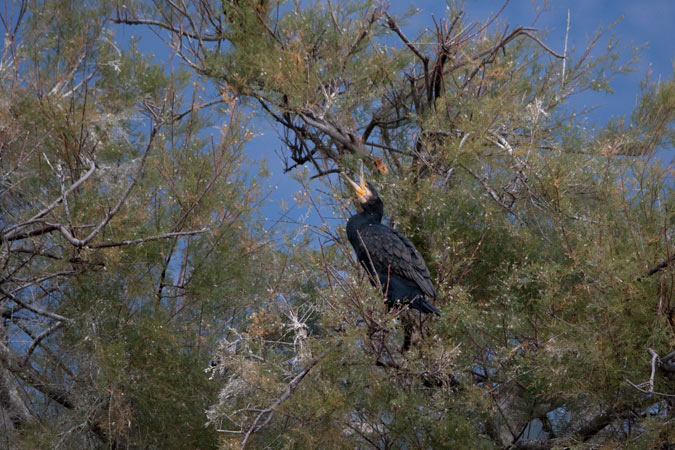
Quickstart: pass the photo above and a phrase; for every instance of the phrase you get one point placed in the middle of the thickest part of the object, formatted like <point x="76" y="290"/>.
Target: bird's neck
<point x="374" y="211"/>
<point x="373" y="216"/>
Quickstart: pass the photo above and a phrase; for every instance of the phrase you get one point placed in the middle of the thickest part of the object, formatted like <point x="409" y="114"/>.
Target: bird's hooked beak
<point x="362" y="191"/>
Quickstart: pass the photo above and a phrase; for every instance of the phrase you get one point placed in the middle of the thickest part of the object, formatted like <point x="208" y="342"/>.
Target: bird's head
<point x="366" y="195"/>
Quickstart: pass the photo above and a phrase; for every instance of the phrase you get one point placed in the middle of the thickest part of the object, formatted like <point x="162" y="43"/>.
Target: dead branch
<point x="564" y="61"/>
<point x="644" y="391"/>
<point x="344" y="138"/>
<point x="391" y="23"/>
<point x="655" y="361"/>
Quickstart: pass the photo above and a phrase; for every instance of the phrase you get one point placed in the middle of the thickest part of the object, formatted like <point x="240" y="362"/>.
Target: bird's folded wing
<point x="392" y="252"/>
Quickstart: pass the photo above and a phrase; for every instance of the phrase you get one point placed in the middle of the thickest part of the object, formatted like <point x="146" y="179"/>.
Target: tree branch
<point x="34" y="378"/>
<point x="149" y="238"/>
<point x="288" y="390"/>
<point x="347" y="140"/>
<point x="44" y="212"/>
<point x="156" y="23"/>
<point x="45" y="334"/>
<point x="659" y="267"/>
<point x="39" y="311"/>
<point x="124" y="197"/>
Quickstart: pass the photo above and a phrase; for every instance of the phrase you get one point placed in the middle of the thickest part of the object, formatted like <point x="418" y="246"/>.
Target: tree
<point x="537" y="230"/>
<point x="548" y="242"/>
<point x="126" y="230"/>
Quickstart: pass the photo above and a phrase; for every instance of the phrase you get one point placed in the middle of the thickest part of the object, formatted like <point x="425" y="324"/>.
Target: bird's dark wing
<point x="391" y="252"/>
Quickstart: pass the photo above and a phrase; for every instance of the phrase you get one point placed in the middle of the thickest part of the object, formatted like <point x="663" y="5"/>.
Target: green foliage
<point x="538" y="232"/>
<point x="549" y="243"/>
<point x="123" y="322"/>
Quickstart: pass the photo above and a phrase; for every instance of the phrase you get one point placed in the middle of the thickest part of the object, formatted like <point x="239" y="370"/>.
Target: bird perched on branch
<point x="390" y="259"/>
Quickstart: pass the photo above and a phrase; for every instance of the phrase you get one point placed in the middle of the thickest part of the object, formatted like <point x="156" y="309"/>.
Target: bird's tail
<point x="421" y="304"/>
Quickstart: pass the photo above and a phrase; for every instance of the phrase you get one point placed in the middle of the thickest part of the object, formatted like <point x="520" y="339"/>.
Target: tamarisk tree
<point x="125" y="226"/>
<point x="549" y="241"/>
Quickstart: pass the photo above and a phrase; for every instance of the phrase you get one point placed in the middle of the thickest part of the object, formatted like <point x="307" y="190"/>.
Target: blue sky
<point x="643" y="23"/>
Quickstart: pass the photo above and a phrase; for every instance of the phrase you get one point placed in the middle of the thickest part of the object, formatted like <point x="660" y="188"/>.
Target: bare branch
<point x="125" y="195"/>
<point x="197" y="108"/>
<point x="149" y="238"/>
<point x="391" y="23"/>
<point x="526" y="32"/>
<point x="374" y="17"/>
<point x="44" y="212"/>
<point x="39" y="311"/>
<point x="346" y="139"/>
<point x="44" y="229"/>
<point x="564" y="63"/>
<point x="46" y="333"/>
<point x="166" y="26"/>
<point x="425" y="59"/>
<point x="34" y="378"/>
<point x="658" y="394"/>
<point x="655" y="361"/>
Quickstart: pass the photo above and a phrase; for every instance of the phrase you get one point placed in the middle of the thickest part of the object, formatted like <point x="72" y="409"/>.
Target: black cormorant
<point x="387" y="255"/>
